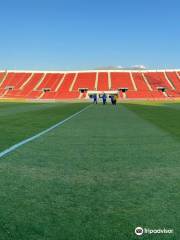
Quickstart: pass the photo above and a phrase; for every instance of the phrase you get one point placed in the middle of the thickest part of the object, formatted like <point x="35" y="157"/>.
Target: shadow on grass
<point x="168" y="119"/>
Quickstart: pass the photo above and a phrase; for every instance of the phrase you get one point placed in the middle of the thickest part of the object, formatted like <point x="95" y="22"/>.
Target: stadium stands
<point x="131" y="84"/>
<point x="85" y="80"/>
<point x="103" y="81"/>
<point x="157" y="79"/>
<point x="173" y="77"/>
<point x="121" y="80"/>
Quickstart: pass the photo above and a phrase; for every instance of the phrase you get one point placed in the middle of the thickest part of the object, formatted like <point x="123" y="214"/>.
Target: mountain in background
<point x="135" y="67"/>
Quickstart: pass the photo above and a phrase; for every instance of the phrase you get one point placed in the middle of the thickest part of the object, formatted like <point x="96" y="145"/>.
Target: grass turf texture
<point x="19" y="121"/>
<point x="98" y="176"/>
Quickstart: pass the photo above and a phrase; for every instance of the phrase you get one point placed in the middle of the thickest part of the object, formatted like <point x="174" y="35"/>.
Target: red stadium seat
<point x="44" y="85"/>
<point x="121" y="80"/>
<point x="85" y="80"/>
<point x="103" y="81"/>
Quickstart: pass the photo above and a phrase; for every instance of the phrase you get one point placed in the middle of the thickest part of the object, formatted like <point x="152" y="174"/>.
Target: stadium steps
<point x="146" y="81"/>
<point x="157" y="79"/>
<point x="67" y="82"/>
<point x="1" y="92"/>
<point x="6" y="80"/>
<point x="50" y="81"/>
<point x="96" y="82"/>
<point x="3" y="77"/>
<point x="15" y="80"/>
<point x="41" y="95"/>
<point x="109" y="81"/>
<point x="140" y="83"/>
<point x="34" y="94"/>
<point x="21" y="81"/>
<point x="73" y="82"/>
<point x="174" y="78"/>
<point x="133" y="82"/>
<point x="30" y="85"/>
<point x="169" y="81"/>
<point x="60" y="83"/>
<point x="26" y="82"/>
<point x="4" y="92"/>
<point x="173" y="94"/>
<point x="40" y="81"/>
<point x="178" y="75"/>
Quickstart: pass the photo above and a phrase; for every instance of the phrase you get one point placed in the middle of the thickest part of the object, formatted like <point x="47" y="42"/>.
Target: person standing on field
<point x="95" y="98"/>
<point x="115" y="99"/>
<point x="112" y="99"/>
<point x="104" y="98"/>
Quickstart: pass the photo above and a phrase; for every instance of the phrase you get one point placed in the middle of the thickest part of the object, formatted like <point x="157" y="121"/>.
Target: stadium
<point x="132" y="84"/>
<point x="89" y="120"/>
<point x="74" y="170"/>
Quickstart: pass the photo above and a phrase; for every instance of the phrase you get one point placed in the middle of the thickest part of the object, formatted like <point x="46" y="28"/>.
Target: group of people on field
<point x="104" y="99"/>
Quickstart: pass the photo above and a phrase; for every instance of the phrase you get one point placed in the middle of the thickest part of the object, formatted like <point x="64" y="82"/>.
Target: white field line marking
<point x="14" y="147"/>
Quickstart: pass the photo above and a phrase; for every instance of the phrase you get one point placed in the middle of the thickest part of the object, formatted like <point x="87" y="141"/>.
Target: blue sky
<point x="85" y="34"/>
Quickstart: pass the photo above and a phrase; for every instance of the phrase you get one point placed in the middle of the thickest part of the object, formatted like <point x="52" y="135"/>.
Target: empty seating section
<point x="85" y="80"/>
<point x="64" y="90"/>
<point x="30" y="85"/>
<point x="138" y="94"/>
<point x="139" y="81"/>
<point x="157" y="94"/>
<point x="157" y="79"/>
<point x="18" y="82"/>
<point x="2" y="91"/>
<point x="66" y="85"/>
<point x="51" y="80"/>
<point x="48" y="95"/>
<point x="174" y="79"/>
<point x="172" y="93"/>
<point x="67" y="95"/>
<point x="121" y="80"/>
<point x="103" y="84"/>
<point x="8" y="80"/>
<point x="15" y="80"/>
<point x="34" y="94"/>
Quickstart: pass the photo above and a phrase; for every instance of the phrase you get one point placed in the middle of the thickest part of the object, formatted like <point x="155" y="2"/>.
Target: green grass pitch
<point x="96" y="177"/>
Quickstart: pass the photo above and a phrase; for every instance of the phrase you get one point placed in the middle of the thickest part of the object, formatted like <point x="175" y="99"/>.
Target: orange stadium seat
<point x="174" y="79"/>
<point x="85" y="80"/>
<point x="51" y="81"/>
<point x="103" y="81"/>
<point x="139" y="81"/>
<point x="67" y="85"/>
<point x="157" y="79"/>
<point x="121" y="80"/>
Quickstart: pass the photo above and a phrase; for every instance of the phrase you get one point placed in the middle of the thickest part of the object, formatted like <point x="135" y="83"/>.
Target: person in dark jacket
<point x="104" y="98"/>
<point x="112" y="99"/>
<point x="95" y="98"/>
